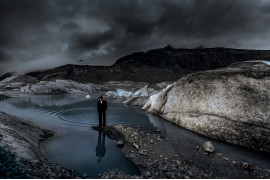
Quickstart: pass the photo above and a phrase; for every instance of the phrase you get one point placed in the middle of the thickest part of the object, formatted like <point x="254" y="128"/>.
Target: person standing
<point x="101" y="108"/>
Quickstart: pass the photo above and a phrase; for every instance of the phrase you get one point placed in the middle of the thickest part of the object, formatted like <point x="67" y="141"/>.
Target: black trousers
<point x="102" y="115"/>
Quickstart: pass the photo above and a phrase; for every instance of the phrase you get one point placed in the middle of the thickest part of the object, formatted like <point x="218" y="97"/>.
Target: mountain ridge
<point x="157" y="65"/>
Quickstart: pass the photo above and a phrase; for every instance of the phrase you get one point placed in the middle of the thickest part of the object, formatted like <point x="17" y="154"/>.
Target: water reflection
<point x="100" y="148"/>
<point x="81" y="151"/>
<point x="72" y="115"/>
<point x="71" y="112"/>
<point x="77" y="146"/>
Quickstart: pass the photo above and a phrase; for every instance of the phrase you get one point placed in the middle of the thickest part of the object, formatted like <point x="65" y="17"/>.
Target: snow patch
<point x="142" y="92"/>
<point x="262" y="61"/>
<point x="155" y="99"/>
<point x="119" y="92"/>
<point x="266" y="62"/>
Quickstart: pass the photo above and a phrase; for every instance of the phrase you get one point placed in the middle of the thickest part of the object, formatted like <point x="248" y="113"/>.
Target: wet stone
<point x="84" y="175"/>
<point x="120" y="143"/>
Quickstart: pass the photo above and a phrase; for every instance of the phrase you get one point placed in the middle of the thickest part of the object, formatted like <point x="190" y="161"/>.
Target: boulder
<point x="208" y="147"/>
<point x="247" y="166"/>
<point x="230" y="104"/>
<point x="84" y="175"/>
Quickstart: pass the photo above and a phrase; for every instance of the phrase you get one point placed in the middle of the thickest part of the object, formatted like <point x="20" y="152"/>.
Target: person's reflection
<point x="100" y="149"/>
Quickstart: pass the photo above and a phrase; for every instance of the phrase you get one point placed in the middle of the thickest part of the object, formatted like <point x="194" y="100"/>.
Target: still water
<point x="77" y="146"/>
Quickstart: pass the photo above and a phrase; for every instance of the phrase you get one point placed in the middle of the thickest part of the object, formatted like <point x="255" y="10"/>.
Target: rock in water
<point x="208" y="147"/>
<point x="84" y="175"/>
<point x="230" y="104"/>
<point x="120" y="143"/>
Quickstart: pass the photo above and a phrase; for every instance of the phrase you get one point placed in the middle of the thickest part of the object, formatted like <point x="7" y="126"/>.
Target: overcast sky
<point x="40" y="34"/>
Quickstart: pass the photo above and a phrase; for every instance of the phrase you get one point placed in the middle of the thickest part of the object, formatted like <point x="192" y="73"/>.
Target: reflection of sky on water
<point x="71" y="112"/>
<point x="74" y="114"/>
<point x="85" y="152"/>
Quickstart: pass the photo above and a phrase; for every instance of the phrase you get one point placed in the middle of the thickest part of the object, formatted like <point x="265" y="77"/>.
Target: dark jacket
<point x="101" y="107"/>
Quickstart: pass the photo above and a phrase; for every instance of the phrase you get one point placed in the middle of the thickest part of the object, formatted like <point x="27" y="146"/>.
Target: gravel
<point x="154" y="156"/>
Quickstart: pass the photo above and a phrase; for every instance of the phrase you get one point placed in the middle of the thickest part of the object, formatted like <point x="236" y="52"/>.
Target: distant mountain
<point x="6" y="75"/>
<point x="165" y="64"/>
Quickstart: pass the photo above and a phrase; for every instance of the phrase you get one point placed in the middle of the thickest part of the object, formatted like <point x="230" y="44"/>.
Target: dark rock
<point x="144" y="153"/>
<point x="84" y="175"/>
<point x="120" y="143"/>
<point x="24" y="79"/>
<point x="147" y="174"/>
<point x="115" y="174"/>
<point x="132" y="156"/>
<point x="58" y="91"/>
<point x="6" y="75"/>
<point x="3" y="97"/>
<point x="247" y="166"/>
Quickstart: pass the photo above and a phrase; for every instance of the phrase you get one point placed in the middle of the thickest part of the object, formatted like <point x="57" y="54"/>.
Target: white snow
<point x="119" y="92"/>
<point x="262" y="61"/>
<point x="142" y="92"/>
<point x="154" y="99"/>
<point x="266" y="62"/>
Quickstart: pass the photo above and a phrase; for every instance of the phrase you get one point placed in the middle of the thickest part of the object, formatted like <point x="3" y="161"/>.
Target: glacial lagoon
<point x="76" y="146"/>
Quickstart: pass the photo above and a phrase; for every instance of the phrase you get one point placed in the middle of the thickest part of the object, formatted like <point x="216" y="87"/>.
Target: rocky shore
<point x="20" y="155"/>
<point x="228" y="104"/>
<point x="160" y="157"/>
<point x="156" y="155"/>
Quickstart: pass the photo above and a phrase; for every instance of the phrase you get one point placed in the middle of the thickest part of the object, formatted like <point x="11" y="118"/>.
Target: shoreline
<point x="20" y="154"/>
<point x="156" y="156"/>
<point x="160" y="157"/>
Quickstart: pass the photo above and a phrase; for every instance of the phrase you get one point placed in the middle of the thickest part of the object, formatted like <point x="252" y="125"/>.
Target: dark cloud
<point x="3" y="56"/>
<point x="39" y="34"/>
<point x="90" y="41"/>
<point x="69" y="27"/>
